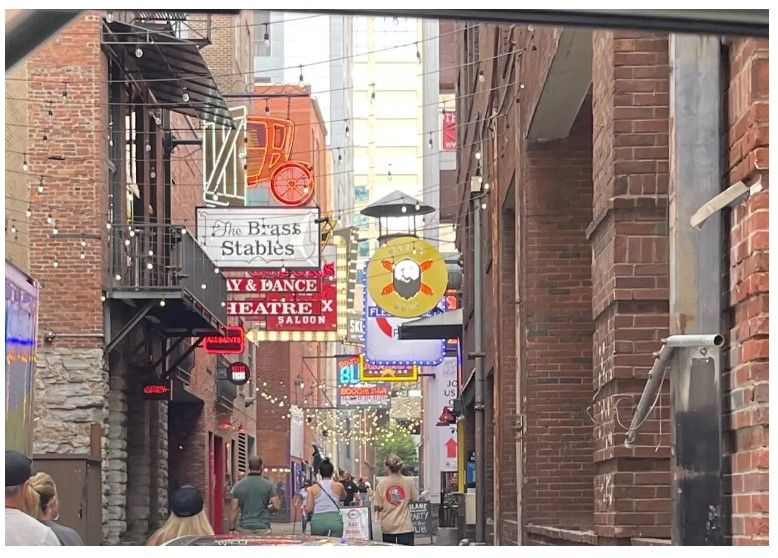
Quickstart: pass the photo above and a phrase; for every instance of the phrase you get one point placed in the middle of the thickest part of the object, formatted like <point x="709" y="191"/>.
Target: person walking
<point x="362" y="487"/>
<point x="351" y="489"/>
<point x="256" y="497"/>
<point x="42" y="503"/>
<point x="186" y="518"/>
<point x="20" y="528"/>
<point x="391" y="500"/>
<point x="305" y="517"/>
<point x="323" y="498"/>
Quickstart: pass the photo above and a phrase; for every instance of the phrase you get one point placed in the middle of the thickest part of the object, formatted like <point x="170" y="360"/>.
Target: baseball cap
<point x="18" y="468"/>
<point x="186" y="501"/>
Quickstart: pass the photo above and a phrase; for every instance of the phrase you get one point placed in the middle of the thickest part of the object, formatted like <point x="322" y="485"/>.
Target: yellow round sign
<point x="407" y="277"/>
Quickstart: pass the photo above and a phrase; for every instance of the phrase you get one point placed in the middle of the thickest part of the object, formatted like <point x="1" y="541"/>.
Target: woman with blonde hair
<point x="41" y="502"/>
<point x="186" y="518"/>
<point x="392" y="499"/>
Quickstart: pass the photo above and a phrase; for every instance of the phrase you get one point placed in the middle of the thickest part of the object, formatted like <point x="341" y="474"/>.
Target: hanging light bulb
<point x="118" y="277"/>
<point x="521" y="86"/>
<point x="372" y="94"/>
<point x="83" y="243"/>
<point x="477" y="155"/>
<point x="418" y="54"/>
<point x="25" y="166"/>
<point x="28" y="212"/>
<point x="301" y="75"/>
<point x="203" y="286"/>
<point x="185" y="95"/>
<point x="148" y="147"/>
<point x="216" y="270"/>
<point x="40" y="186"/>
<point x="108" y="226"/>
<point x="481" y="76"/>
<point x="82" y="255"/>
<point x="153" y="174"/>
<point x="126" y="241"/>
<point x="267" y="36"/>
<point x="183" y="230"/>
<point x="483" y="205"/>
<point x="132" y="233"/>
<point x="348" y="131"/>
<point x="55" y="230"/>
<point x="49" y="218"/>
<point x="162" y="303"/>
<point x="13" y="228"/>
<point x="157" y="120"/>
<point x="404" y="209"/>
<point x="138" y="52"/>
<point x="102" y="298"/>
<point x="149" y="266"/>
<point x="340" y="156"/>
<point x="55" y="263"/>
<point x="418" y="206"/>
<point x="429" y="142"/>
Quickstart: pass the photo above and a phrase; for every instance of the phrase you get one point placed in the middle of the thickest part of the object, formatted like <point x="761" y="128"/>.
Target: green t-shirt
<point x="253" y="494"/>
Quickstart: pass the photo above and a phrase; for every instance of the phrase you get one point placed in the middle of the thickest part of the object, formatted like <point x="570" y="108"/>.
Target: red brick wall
<point x="746" y="421"/>
<point x="74" y="189"/>
<point x="630" y="278"/>
<point x="555" y="313"/>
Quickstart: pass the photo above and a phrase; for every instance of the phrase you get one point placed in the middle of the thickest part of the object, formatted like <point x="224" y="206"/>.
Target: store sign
<point x="442" y="393"/>
<point x="355" y="329"/>
<point x="383" y="347"/>
<point x="156" y="390"/>
<point x="386" y="373"/>
<point x="224" y="175"/>
<point x="349" y="369"/>
<point x="356" y="523"/>
<point x="238" y="373"/>
<point x="449" y="130"/>
<point x="407" y="277"/>
<point x="363" y="395"/>
<point x="231" y="344"/>
<point x="260" y="237"/>
<point x="294" y="305"/>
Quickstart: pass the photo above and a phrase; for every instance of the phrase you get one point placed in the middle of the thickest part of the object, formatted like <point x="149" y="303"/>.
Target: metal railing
<point x="165" y="258"/>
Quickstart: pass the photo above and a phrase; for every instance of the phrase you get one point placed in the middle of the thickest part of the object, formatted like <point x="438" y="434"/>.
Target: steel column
<point x="695" y="290"/>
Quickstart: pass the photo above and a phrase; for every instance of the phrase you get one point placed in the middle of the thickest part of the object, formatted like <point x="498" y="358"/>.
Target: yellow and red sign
<point x="407" y="277"/>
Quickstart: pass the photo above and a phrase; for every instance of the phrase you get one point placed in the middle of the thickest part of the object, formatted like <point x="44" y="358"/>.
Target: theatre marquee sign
<point x="260" y="237"/>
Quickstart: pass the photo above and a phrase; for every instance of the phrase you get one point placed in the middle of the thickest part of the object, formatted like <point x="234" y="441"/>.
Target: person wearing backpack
<point x="323" y="502"/>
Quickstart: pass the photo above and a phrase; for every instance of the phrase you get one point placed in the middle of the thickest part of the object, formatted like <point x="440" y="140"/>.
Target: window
<point x="361" y="275"/>
<point x="361" y="221"/>
<point x="361" y="194"/>
<point x="364" y="248"/>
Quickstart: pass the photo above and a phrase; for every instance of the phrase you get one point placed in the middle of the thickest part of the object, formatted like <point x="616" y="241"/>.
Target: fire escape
<point x="157" y="269"/>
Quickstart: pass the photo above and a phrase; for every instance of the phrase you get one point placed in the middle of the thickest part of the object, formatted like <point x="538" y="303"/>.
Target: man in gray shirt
<point x="20" y="528"/>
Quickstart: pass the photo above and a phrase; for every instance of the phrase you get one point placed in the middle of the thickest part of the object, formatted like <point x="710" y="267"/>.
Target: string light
<point x="185" y="95"/>
<point x="481" y="76"/>
<point x="418" y="54"/>
<point x="25" y="166"/>
<point x="429" y="142"/>
<point x="267" y="36"/>
<point x="404" y="209"/>
<point x="138" y="52"/>
<point x="13" y="227"/>
<point x="372" y="94"/>
<point x="162" y="303"/>
<point x="203" y="286"/>
<point x="267" y="107"/>
<point x="55" y="263"/>
<point x="477" y="155"/>
<point x="28" y="213"/>
<point x="49" y="218"/>
<point x="82" y="255"/>
<point x="117" y="277"/>
<point x="55" y="230"/>
<point x="102" y="298"/>
<point x="418" y="206"/>
<point x="486" y="186"/>
<point x="40" y="186"/>
<point x="348" y="131"/>
<point x="483" y="205"/>
<point x="301" y="75"/>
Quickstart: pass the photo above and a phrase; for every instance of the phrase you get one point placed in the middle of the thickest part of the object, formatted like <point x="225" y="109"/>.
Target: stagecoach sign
<point x="260" y="237"/>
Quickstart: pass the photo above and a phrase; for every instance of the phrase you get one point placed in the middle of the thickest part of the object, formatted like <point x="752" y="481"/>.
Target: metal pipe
<point x="656" y="374"/>
<point x="480" y="446"/>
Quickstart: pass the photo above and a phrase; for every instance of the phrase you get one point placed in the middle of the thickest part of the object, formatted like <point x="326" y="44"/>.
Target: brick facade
<point x="579" y="283"/>
<point x="746" y="380"/>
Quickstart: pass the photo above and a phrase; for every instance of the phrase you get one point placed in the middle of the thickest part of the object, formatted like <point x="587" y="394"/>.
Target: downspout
<point x="480" y="493"/>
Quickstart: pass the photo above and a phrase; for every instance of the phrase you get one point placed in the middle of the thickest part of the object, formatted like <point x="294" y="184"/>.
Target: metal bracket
<point x="188" y="352"/>
<point x="129" y="326"/>
<point x="167" y="353"/>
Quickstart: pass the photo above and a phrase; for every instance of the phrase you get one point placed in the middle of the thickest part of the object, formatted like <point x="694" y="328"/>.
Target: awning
<point x="170" y="67"/>
<point x="445" y="325"/>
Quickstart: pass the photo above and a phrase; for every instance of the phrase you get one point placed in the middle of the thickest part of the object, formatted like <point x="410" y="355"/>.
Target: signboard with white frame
<point x="260" y="237"/>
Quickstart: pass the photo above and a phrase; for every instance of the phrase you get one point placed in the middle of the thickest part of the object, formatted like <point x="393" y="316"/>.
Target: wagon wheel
<point x="292" y="184"/>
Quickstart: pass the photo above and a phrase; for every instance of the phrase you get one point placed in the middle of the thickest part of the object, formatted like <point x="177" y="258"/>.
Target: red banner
<point x="449" y="130"/>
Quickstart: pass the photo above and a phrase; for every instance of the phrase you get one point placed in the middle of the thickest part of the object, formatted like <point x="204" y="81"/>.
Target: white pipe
<point x="693" y="341"/>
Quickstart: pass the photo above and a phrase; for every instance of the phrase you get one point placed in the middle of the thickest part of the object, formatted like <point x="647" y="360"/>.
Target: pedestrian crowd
<point x="32" y="505"/>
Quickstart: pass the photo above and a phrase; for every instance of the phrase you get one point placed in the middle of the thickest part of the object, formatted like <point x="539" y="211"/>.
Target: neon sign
<point x="231" y="344"/>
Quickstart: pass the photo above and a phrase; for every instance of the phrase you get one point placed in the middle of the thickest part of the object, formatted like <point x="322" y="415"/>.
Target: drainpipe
<point x="480" y="453"/>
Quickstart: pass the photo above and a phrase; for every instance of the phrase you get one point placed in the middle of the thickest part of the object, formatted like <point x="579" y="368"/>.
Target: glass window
<point x="361" y="194"/>
<point x="364" y="248"/>
<point x="361" y="221"/>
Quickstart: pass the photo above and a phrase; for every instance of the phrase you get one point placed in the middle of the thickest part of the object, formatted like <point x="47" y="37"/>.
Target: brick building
<point x="124" y="286"/>
<point x="576" y="144"/>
